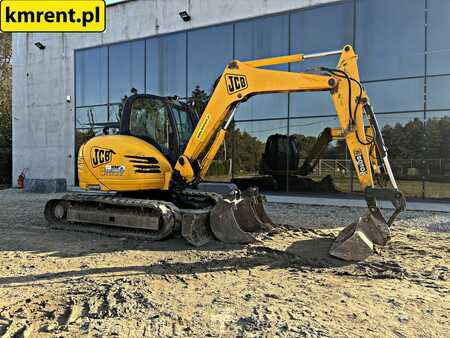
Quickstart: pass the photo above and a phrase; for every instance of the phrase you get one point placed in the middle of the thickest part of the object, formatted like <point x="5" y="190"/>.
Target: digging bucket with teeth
<point x="356" y="241"/>
<point x="239" y="220"/>
<point x="234" y="218"/>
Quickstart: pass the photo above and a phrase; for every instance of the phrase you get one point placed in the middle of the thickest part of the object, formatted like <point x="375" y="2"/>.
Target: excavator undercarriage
<point x="199" y="216"/>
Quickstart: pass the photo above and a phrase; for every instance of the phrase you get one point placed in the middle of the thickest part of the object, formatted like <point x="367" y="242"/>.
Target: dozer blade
<point x="355" y="242"/>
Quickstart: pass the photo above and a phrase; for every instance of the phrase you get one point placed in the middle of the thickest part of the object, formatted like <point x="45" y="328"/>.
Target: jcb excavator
<point x="155" y="164"/>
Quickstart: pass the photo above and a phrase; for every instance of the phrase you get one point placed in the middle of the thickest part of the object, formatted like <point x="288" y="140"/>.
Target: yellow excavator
<point x="144" y="182"/>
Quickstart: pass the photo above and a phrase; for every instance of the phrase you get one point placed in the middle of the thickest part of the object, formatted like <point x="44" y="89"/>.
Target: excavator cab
<point x="164" y="122"/>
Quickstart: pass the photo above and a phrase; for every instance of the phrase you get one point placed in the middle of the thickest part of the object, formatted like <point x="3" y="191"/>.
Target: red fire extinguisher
<point x="21" y="179"/>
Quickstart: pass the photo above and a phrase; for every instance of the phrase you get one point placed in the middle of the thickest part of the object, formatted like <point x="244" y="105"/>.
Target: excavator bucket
<point x="195" y="227"/>
<point x="256" y="201"/>
<point x="356" y="241"/>
<point x="239" y="220"/>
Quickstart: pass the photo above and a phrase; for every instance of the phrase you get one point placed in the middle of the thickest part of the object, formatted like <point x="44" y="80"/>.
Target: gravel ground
<point x="326" y="217"/>
<point x="65" y="284"/>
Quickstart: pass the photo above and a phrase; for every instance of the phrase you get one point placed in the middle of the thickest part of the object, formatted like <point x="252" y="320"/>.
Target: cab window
<point x="184" y="123"/>
<point x="149" y="119"/>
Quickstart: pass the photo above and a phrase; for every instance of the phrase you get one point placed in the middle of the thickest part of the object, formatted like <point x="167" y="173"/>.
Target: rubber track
<point x="169" y="211"/>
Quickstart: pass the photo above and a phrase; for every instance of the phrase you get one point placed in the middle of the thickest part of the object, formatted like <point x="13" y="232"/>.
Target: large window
<point x="91" y="76"/>
<point x="404" y="137"/>
<point x="437" y="155"/>
<point x="126" y="69"/>
<point x="209" y="50"/>
<point x="321" y="29"/>
<point x="403" y="50"/>
<point x="166" y="65"/>
<point x="438" y="90"/>
<point x="316" y="30"/>
<point x="396" y="95"/>
<point x="149" y="120"/>
<point x="249" y="145"/>
<point x="91" y="117"/>
<point x="438" y="42"/>
<point x="184" y="123"/>
<point x="257" y="39"/>
<point x="390" y="38"/>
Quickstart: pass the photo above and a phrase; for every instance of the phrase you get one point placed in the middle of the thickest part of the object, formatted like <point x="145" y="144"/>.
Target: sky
<point x="112" y="1"/>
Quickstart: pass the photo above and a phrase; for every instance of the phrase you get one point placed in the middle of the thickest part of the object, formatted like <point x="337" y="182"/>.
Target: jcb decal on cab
<point x="360" y="163"/>
<point x="235" y="83"/>
<point x="101" y="156"/>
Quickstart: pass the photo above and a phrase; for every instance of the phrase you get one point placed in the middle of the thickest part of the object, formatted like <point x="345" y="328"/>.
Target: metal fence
<point x="333" y="167"/>
<point x="426" y="169"/>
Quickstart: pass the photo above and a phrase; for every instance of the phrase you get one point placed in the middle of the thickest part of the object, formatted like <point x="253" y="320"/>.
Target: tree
<point x="5" y="90"/>
<point x="247" y="151"/>
<point x="438" y="138"/>
<point x="407" y="141"/>
<point x="199" y="100"/>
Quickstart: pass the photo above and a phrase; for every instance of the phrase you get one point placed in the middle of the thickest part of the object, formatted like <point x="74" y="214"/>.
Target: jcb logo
<point x="101" y="156"/>
<point x="235" y="83"/>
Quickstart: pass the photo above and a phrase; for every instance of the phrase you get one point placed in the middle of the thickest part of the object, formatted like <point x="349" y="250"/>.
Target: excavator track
<point x="100" y="214"/>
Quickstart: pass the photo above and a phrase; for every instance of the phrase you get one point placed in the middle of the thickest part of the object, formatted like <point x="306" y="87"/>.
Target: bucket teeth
<point x="376" y="229"/>
<point x="247" y="218"/>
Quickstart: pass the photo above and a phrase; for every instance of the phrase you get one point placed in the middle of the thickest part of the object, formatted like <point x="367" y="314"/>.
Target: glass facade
<point x="91" y="77"/>
<point x="166" y="71"/>
<point x="403" y="50"/>
<point x="390" y="38"/>
<point x="257" y="39"/>
<point x="126" y="69"/>
<point x="208" y="51"/>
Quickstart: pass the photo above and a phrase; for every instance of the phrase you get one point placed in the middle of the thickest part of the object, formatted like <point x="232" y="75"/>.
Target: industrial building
<point x="67" y="86"/>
